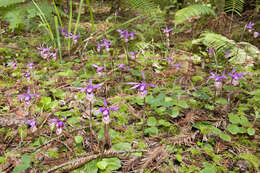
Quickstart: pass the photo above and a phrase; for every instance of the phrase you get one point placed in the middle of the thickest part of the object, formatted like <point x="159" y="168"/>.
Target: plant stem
<point x="144" y="117"/>
<point x="90" y="124"/>
<point x="106" y="135"/>
<point x="91" y="15"/>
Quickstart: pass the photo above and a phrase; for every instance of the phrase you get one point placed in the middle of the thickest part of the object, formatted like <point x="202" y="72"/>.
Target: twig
<point x="83" y="160"/>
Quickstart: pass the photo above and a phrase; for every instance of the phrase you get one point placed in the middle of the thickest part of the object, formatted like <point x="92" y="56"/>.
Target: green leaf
<point x="102" y="165"/>
<point x="174" y="113"/>
<point x="91" y="167"/>
<point x="183" y="104"/>
<point x="251" y="131"/>
<point x="252" y="159"/>
<point x="222" y="101"/>
<point x="110" y="164"/>
<point x="233" y="129"/>
<point x="179" y="158"/>
<point x="26" y="159"/>
<point x="225" y="137"/>
<point x="196" y="78"/>
<point x="5" y="3"/>
<point x="233" y="118"/>
<point x="151" y="131"/>
<point x="151" y="121"/>
<point x="209" y="168"/>
<point x="78" y="139"/>
<point x="121" y="146"/>
<point x="164" y="123"/>
<point x="244" y="121"/>
<point x="192" y="11"/>
<point x="26" y="163"/>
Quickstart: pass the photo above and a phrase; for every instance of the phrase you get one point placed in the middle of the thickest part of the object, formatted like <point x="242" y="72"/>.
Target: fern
<point x="141" y="4"/>
<point x="235" y="6"/>
<point x="239" y="51"/>
<point x="5" y="3"/>
<point x="21" y="15"/>
<point x="192" y="11"/>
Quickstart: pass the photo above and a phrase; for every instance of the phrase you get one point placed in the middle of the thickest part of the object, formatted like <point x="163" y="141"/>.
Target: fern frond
<point x="192" y="11"/>
<point x="141" y="4"/>
<point x="239" y="51"/>
<point x="5" y="3"/>
<point x="235" y="6"/>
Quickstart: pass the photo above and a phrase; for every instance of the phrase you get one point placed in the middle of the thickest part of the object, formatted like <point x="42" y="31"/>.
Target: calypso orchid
<point x="126" y="35"/>
<point x="218" y="79"/>
<point x="99" y="69"/>
<point x="167" y="31"/>
<point x="32" y="124"/>
<point x="58" y="123"/>
<point x="142" y="86"/>
<point x="89" y="90"/>
<point x="106" y="111"/>
<point x="104" y="43"/>
<point x="235" y="76"/>
<point x="27" y="97"/>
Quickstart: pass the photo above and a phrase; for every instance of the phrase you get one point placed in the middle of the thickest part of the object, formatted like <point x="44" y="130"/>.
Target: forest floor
<point x="145" y="102"/>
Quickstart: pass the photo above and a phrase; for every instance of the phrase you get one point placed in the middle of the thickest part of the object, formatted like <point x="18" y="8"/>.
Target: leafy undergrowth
<point x="108" y="108"/>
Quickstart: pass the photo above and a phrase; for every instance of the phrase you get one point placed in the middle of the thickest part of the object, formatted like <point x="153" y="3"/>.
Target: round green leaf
<point x="234" y="119"/>
<point x="225" y="137"/>
<point x="233" y="129"/>
<point x="112" y="163"/>
<point x="78" y="139"/>
<point x="151" y="121"/>
<point x="251" y="131"/>
<point x="102" y="165"/>
<point x="174" y="113"/>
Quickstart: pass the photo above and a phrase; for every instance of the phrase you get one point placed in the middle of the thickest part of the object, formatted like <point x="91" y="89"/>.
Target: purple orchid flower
<point x="256" y="34"/>
<point x="235" y="76"/>
<point x="58" y="123"/>
<point x="89" y="90"/>
<point x="210" y="51"/>
<point x="99" y="69"/>
<point x="133" y="55"/>
<point x="12" y="64"/>
<point x="104" y="43"/>
<point x="26" y="97"/>
<point x="67" y="35"/>
<point x="74" y="37"/>
<point x="30" y="65"/>
<point x="32" y="124"/>
<point x="249" y="26"/>
<point x="142" y="86"/>
<point x="227" y="53"/>
<point x="218" y="79"/>
<point x="167" y="31"/>
<point x="177" y="65"/>
<point x="106" y="111"/>
<point x="27" y="75"/>
<point x="169" y="59"/>
<point x="121" y="66"/>
<point x="46" y="52"/>
<point x="63" y="31"/>
<point x="125" y="34"/>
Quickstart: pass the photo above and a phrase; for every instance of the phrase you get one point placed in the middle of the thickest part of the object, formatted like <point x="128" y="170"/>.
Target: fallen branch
<point x="83" y="160"/>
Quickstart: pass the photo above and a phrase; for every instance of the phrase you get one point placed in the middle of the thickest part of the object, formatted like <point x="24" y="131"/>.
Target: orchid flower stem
<point x="106" y="136"/>
<point x="90" y="124"/>
<point x="144" y="117"/>
<point x="216" y="61"/>
<point x="127" y="58"/>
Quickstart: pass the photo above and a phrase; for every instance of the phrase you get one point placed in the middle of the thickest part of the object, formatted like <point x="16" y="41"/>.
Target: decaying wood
<point x="76" y="163"/>
<point x="6" y="121"/>
<point x="183" y="139"/>
<point x="156" y="155"/>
